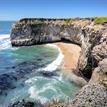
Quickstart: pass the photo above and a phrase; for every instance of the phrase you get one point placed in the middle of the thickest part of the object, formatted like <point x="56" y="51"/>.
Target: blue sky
<point x="16" y="9"/>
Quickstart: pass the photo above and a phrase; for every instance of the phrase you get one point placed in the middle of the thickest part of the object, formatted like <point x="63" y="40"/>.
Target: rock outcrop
<point x="95" y="93"/>
<point x="92" y="61"/>
<point x="26" y="104"/>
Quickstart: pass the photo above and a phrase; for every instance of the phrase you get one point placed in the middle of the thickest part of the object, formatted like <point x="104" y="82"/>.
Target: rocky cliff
<point x="90" y="37"/>
<point x="95" y="93"/>
<point x="87" y="36"/>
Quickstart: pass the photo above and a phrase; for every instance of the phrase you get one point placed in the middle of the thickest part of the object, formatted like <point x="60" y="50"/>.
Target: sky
<point x="17" y="9"/>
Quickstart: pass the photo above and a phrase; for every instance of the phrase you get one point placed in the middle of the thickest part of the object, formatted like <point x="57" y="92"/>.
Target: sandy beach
<point x="71" y="54"/>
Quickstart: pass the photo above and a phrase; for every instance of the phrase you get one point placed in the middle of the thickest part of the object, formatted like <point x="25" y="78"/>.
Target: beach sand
<point x="71" y="54"/>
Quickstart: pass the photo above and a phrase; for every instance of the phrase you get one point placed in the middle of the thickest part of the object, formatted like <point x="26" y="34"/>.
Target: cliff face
<point x="31" y="34"/>
<point x="93" y="42"/>
<point x="95" y="93"/>
<point x="36" y="31"/>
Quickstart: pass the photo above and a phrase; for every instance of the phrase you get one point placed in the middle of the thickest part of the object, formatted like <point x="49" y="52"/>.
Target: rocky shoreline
<point x="92" y="61"/>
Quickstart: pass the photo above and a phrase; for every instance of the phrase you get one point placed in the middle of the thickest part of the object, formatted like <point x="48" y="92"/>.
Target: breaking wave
<point x="5" y="42"/>
<point x="34" y="94"/>
<point x="54" y="65"/>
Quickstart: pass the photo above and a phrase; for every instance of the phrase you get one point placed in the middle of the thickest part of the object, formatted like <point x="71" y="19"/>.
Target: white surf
<point x="54" y="65"/>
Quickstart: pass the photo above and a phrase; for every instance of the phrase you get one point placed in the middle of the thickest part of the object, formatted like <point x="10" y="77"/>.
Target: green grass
<point x="105" y="85"/>
<point x="68" y="20"/>
<point x="99" y="20"/>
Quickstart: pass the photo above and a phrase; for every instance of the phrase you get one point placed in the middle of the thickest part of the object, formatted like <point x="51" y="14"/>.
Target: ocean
<point x="31" y="73"/>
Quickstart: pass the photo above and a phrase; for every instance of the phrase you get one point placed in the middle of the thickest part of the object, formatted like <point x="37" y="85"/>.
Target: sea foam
<point x="54" y="65"/>
<point x="34" y="94"/>
<point x="4" y="36"/>
<point x="5" y="41"/>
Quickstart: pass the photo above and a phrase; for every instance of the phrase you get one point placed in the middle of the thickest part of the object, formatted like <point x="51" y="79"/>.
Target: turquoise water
<point x="13" y="56"/>
<point x="26" y="65"/>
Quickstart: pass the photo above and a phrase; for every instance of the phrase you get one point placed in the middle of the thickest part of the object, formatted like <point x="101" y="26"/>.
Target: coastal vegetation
<point x="100" y="20"/>
<point x="55" y="103"/>
<point x="96" y="20"/>
<point x="67" y="20"/>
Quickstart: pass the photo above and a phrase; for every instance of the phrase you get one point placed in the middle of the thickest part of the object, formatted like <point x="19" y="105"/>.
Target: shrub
<point x="99" y="20"/>
<point x="68" y="20"/>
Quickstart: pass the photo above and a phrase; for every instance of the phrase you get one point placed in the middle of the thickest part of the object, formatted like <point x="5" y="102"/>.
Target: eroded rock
<point x="24" y="103"/>
<point x="94" y="95"/>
